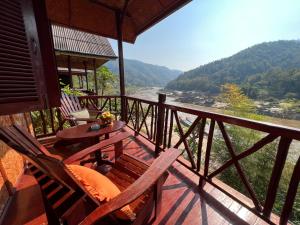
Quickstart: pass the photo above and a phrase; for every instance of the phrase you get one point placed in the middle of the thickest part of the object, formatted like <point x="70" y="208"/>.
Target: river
<point x="152" y="94"/>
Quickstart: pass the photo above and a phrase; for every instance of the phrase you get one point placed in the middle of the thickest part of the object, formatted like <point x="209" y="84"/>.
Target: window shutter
<point x="23" y="79"/>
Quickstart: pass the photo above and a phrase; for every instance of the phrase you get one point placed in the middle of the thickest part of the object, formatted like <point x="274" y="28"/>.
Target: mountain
<point x="142" y="74"/>
<point x="270" y="69"/>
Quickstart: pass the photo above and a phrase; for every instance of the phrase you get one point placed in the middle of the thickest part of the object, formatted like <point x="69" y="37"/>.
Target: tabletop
<point x="84" y="132"/>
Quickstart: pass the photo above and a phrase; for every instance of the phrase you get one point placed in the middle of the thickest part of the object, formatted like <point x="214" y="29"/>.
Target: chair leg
<point x="118" y="149"/>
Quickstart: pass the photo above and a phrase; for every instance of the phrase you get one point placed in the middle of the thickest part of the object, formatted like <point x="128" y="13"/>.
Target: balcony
<point x="195" y="192"/>
<point x="210" y="183"/>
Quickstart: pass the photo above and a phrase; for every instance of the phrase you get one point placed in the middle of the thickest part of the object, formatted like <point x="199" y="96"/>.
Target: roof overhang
<point x="100" y="16"/>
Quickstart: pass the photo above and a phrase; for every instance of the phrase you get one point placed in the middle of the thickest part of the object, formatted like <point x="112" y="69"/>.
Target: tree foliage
<point x="266" y="70"/>
<point x="106" y="79"/>
<point x="258" y="166"/>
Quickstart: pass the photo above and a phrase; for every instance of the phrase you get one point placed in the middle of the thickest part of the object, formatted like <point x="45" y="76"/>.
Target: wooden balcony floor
<point x="183" y="203"/>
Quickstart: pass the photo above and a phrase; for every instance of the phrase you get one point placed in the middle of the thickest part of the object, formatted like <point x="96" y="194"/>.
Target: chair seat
<point x="125" y="171"/>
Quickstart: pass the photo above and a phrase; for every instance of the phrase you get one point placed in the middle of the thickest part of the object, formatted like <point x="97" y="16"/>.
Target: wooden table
<point x="83" y="132"/>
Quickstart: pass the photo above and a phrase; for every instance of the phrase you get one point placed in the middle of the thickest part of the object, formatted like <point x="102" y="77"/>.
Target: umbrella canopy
<point x="101" y="16"/>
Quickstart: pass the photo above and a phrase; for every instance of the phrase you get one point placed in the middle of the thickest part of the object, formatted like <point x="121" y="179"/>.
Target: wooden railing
<point x="142" y="117"/>
<point x="48" y="122"/>
<point x="45" y="122"/>
<point x="104" y="103"/>
<point x="166" y="126"/>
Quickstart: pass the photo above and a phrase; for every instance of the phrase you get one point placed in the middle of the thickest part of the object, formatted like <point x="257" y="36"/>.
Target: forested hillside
<point x="142" y="74"/>
<point x="269" y="69"/>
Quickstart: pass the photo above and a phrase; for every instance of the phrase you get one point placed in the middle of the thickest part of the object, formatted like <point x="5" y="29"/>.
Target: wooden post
<point x="119" y="20"/>
<point x="291" y="194"/>
<point x="86" y="75"/>
<point x="281" y="156"/>
<point x="95" y="76"/>
<point x="60" y="121"/>
<point x="160" y="122"/>
<point x="70" y="71"/>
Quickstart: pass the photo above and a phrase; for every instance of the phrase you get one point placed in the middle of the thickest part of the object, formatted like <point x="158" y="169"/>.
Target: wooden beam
<point x="119" y="21"/>
<point x="70" y="71"/>
<point x="95" y="76"/>
<point x="86" y="75"/>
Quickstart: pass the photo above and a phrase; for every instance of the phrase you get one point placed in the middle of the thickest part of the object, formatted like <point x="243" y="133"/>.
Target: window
<point x="28" y="76"/>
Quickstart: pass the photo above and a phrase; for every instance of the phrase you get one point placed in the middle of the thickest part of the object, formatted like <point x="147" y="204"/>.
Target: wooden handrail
<point x="278" y="130"/>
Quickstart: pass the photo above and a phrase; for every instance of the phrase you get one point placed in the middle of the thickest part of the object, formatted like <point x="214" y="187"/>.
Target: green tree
<point x="258" y="166"/>
<point x="106" y="79"/>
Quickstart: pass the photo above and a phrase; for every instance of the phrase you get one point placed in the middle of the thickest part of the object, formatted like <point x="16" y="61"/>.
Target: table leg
<point x="97" y="157"/>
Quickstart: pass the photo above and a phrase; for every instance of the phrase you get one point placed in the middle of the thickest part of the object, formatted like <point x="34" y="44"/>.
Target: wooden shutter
<point x="22" y="65"/>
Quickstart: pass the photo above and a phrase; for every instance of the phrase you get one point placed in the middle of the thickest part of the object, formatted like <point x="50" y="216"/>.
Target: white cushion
<point x="81" y="114"/>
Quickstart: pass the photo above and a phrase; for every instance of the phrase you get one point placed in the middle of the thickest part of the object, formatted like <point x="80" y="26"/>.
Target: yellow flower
<point x="106" y="115"/>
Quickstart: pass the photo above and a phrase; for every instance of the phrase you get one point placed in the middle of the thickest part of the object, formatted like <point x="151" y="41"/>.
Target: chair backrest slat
<point x="75" y="102"/>
<point x="69" y="104"/>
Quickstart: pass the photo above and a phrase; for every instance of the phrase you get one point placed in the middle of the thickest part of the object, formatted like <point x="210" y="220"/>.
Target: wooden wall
<point x="11" y="163"/>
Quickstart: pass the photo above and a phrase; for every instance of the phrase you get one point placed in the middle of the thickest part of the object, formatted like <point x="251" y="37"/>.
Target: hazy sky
<point x="206" y="30"/>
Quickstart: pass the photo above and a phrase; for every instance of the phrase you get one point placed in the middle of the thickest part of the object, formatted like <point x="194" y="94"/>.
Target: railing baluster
<point x="282" y="152"/>
<point x="152" y="123"/>
<point x="166" y="129"/>
<point x="170" y="129"/>
<point x="200" y="142"/>
<point x="43" y="122"/>
<point x="183" y="138"/>
<point x="137" y="117"/>
<point x="59" y="118"/>
<point x="155" y="122"/>
<point x="144" y="118"/>
<point x="208" y="150"/>
<point x="34" y="127"/>
<point x="190" y="130"/>
<point x="291" y="194"/>
<point x="52" y="121"/>
<point x="104" y="104"/>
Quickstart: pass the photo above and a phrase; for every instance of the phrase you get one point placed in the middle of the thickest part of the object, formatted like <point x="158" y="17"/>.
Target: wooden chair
<point x="66" y="200"/>
<point x="70" y="104"/>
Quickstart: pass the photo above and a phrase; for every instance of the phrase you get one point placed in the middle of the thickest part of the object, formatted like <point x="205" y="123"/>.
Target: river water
<point x="152" y="95"/>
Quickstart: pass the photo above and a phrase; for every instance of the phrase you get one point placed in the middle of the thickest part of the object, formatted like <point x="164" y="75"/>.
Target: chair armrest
<point x="105" y="143"/>
<point x="135" y="190"/>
